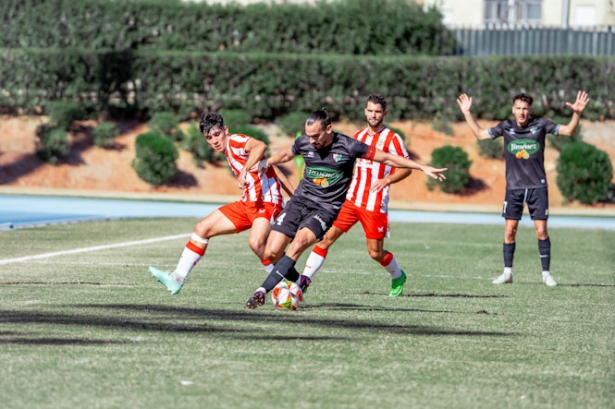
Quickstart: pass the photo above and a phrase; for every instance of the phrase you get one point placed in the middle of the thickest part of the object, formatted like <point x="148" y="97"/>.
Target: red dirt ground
<point x="92" y="171"/>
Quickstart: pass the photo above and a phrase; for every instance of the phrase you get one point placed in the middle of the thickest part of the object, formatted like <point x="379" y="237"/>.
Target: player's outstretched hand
<point x="435" y="173"/>
<point x="580" y="103"/>
<point x="465" y="103"/>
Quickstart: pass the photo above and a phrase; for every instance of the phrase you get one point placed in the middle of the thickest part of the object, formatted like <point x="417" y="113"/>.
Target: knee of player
<point x="376" y="255"/>
<point x="541" y="233"/>
<point x="257" y="244"/>
<point x="273" y="255"/>
<point x="203" y="229"/>
<point x="510" y="234"/>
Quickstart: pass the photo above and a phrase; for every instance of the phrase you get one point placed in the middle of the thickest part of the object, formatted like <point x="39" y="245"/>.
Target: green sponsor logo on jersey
<point x="323" y="176"/>
<point x="523" y="148"/>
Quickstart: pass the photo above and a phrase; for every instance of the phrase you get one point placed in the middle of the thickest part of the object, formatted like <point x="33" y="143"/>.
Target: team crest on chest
<point x="337" y="157"/>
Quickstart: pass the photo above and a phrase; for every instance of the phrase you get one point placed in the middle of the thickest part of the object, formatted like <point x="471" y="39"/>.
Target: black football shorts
<point x="301" y="213"/>
<point x="537" y="200"/>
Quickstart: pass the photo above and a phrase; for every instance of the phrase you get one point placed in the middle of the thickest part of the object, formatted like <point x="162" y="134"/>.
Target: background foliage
<point x="270" y="85"/>
<point x="359" y="27"/>
<point x="584" y="173"/>
<point x="155" y="158"/>
<point x="458" y="163"/>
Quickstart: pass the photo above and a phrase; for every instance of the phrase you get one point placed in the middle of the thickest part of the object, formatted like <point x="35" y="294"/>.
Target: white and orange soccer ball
<point x="287" y="295"/>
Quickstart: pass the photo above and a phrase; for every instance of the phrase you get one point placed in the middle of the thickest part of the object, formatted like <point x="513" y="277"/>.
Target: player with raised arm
<point x="329" y="163"/>
<point x="367" y="199"/>
<point x="261" y="203"/>
<point x="526" y="179"/>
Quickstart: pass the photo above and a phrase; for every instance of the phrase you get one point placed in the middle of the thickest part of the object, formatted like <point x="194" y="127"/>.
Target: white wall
<point x="459" y="12"/>
<point x="470" y="12"/>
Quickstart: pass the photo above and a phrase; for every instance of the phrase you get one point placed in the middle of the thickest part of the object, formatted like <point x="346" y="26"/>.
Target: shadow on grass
<point x="58" y="341"/>
<point x="358" y="307"/>
<point x="164" y="318"/>
<point x="452" y="295"/>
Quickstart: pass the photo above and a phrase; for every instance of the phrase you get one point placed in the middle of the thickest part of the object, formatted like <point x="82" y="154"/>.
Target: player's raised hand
<point x="465" y="103"/>
<point x="580" y="103"/>
<point x="435" y="173"/>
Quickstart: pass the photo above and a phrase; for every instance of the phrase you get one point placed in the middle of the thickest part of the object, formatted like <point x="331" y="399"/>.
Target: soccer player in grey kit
<point x="526" y="179"/>
<point x="329" y="163"/>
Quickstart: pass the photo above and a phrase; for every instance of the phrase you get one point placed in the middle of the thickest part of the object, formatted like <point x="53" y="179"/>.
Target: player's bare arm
<point x="394" y="177"/>
<point x="401" y="162"/>
<point x="283" y="156"/>
<point x="256" y="150"/>
<point x="577" y="109"/>
<point x="288" y="187"/>
<point x="465" y="103"/>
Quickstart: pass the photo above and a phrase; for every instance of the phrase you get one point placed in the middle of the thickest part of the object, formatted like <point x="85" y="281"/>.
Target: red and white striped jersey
<point x="366" y="172"/>
<point x="267" y="187"/>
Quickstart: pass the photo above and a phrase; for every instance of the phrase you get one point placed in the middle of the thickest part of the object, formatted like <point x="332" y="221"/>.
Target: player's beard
<point x="374" y="123"/>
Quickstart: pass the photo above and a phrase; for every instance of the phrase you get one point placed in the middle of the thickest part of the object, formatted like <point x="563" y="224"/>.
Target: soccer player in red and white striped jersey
<point x="261" y="203"/>
<point x="367" y="198"/>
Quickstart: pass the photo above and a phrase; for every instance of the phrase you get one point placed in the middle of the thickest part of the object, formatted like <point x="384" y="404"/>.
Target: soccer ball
<point x="287" y="295"/>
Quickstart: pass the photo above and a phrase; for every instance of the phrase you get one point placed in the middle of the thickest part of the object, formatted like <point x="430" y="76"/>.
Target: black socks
<point x="284" y="269"/>
<point x="509" y="253"/>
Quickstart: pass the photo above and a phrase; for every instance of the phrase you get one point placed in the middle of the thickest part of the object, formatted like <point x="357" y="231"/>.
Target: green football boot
<point x="166" y="279"/>
<point x="397" y="285"/>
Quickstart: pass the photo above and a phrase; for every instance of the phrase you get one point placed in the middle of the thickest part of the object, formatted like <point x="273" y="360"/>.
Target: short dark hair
<point x="524" y="97"/>
<point x="211" y="120"/>
<point x="377" y="99"/>
<point x="320" y="115"/>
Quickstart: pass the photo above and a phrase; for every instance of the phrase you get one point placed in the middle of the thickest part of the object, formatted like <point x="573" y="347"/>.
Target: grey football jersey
<point x="328" y="171"/>
<point x="524" y="151"/>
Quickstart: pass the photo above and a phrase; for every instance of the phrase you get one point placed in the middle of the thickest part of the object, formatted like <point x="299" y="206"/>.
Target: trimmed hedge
<point x="166" y="124"/>
<point x="270" y="85"/>
<point x="584" y="173"/>
<point x="356" y="27"/>
<point x="52" y="143"/>
<point x="155" y="158"/>
<point x="104" y="133"/>
<point x="491" y="148"/>
<point x="195" y="143"/>
<point x="456" y="159"/>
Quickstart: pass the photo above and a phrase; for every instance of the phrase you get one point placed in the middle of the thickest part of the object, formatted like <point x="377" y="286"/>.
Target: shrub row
<point x="341" y="27"/>
<point x="271" y="85"/>
<point x="584" y="172"/>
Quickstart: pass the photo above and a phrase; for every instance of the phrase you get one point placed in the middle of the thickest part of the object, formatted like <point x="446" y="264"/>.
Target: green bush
<point x="52" y="143"/>
<point x="63" y="113"/>
<point x="292" y="123"/>
<point x="491" y="148"/>
<point x="458" y="174"/>
<point x="166" y="124"/>
<point x="584" y="173"/>
<point x="155" y="158"/>
<point x="195" y="143"/>
<point x="104" y="133"/>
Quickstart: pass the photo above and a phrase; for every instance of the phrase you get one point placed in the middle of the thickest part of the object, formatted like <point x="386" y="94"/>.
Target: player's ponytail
<point x="320" y="115"/>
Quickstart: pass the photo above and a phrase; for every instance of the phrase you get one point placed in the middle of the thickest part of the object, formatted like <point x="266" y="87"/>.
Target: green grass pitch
<point x="94" y="330"/>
